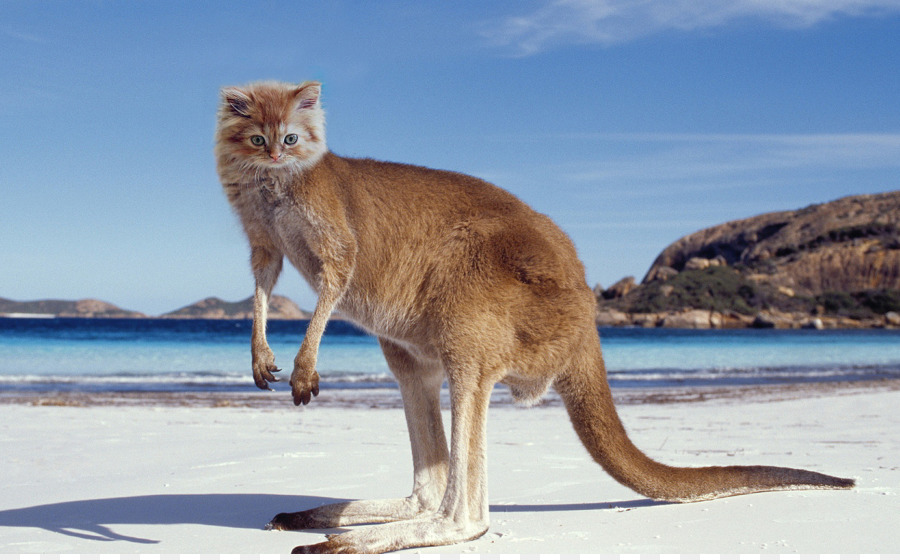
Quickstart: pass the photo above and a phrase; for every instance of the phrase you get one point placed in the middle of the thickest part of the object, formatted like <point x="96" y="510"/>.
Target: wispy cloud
<point x="613" y="167"/>
<point x="19" y="35"/>
<point x="692" y="156"/>
<point x="608" y="22"/>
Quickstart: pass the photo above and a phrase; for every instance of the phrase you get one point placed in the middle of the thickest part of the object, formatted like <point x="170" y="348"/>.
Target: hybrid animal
<point x="459" y="280"/>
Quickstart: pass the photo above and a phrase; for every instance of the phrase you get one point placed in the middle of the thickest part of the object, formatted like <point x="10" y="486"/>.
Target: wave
<point x="671" y="377"/>
<point x="224" y="381"/>
<point x="180" y="381"/>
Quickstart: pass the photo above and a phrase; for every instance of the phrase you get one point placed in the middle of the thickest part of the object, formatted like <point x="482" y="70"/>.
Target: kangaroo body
<point x="459" y="280"/>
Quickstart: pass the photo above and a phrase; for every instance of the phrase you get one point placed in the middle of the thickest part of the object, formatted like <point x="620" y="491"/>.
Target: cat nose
<point x="275" y="156"/>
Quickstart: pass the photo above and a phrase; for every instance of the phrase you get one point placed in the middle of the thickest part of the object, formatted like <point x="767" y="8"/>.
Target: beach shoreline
<point x="191" y="473"/>
<point x="389" y="397"/>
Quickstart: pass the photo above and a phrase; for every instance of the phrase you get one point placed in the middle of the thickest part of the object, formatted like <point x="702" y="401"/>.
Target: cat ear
<point x="308" y="95"/>
<point x="236" y="101"/>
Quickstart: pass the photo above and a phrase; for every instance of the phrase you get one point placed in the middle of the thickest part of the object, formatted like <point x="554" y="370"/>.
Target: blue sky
<point x="630" y="123"/>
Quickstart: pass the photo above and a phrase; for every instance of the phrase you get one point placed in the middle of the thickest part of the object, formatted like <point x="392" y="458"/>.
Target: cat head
<point x="271" y="125"/>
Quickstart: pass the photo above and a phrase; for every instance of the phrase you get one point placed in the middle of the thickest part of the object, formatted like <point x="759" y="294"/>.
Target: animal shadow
<point x="89" y="519"/>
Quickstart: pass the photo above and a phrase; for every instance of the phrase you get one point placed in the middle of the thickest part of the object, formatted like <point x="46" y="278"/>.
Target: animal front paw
<point x="263" y="367"/>
<point x="304" y="384"/>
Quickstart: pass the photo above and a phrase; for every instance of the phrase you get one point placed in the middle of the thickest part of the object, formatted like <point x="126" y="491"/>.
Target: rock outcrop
<point x="832" y="265"/>
<point x="280" y="307"/>
<point x="619" y="289"/>
<point x="90" y="308"/>
<point x="849" y="245"/>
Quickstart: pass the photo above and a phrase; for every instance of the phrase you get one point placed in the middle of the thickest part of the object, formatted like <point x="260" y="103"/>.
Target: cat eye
<point x="291" y="139"/>
<point x="257" y="140"/>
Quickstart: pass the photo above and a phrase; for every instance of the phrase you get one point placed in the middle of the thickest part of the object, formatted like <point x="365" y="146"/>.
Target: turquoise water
<point x="180" y="355"/>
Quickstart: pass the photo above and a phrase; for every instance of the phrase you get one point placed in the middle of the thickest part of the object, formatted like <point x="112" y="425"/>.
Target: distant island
<point x="832" y="265"/>
<point x="280" y="307"/>
<point x="90" y="308"/>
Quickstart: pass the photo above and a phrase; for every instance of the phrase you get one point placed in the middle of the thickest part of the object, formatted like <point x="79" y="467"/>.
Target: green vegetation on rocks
<point x="717" y="288"/>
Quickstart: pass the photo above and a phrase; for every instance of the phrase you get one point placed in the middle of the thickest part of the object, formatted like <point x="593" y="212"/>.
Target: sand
<point x="203" y="474"/>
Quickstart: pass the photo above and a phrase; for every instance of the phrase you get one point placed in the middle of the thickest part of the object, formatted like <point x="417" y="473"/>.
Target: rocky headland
<point x="280" y="307"/>
<point x="89" y="308"/>
<point x="832" y="265"/>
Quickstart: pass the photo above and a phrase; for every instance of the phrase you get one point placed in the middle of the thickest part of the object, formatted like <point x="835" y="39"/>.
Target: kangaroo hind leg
<point x="463" y="512"/>
<point x="420" y="384"/>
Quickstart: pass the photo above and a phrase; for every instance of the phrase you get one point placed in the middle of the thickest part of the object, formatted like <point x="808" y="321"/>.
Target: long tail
<point x="585" y="391"/>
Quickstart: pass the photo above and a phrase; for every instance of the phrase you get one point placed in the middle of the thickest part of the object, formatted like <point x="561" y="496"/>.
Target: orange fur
<point x="458" y="279"/>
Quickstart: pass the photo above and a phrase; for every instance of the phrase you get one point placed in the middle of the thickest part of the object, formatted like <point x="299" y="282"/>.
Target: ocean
<point x="95" y="355"/>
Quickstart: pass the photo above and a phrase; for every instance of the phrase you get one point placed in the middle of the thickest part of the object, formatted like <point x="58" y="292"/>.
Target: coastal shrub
<point x="882" y="301"/>
<point x="859" y="305"/>
<point x="887" y="233"/>
<point x="725" y="289"/>
<point x="787" y="250"/>
<point x="836" y="303"/>
<point x="717" y="288"/>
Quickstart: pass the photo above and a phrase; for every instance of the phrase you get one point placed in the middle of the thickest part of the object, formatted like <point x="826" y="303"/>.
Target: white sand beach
<point x="163" y="477"/>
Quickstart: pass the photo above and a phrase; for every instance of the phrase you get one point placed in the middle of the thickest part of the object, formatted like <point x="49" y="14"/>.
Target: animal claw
<point x="325" y="547"/>
<point x="302" y="398"/>
<point x="304" y="391"/>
